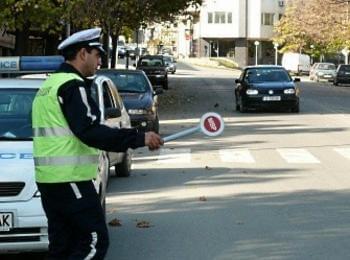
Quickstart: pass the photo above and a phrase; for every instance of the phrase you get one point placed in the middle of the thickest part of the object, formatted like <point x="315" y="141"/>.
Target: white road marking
<point x="297" y="156"/>
<point x="173" y="156"/>
<point x="345" y="152"/>
<point x="236" y="156"/>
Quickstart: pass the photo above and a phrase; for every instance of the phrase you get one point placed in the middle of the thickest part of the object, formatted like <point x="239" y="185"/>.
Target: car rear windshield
<point x="256" y="75"/>
<point x="150" y="62"/>
<point x="16" y="113"/>
<point x="129" y="82"/>
<point x="326" y="67"/>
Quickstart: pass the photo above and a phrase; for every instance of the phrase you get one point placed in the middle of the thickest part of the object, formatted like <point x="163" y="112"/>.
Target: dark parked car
<point x="155" y="69"/>
<point x="343" y="75"/>
<point x="266" y="86"/>
<point x="139" y="98"/>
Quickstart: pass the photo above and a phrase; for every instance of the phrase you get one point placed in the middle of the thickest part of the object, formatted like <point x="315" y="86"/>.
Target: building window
<point x="229" y="17"/>
<point x="210" y="17"/>
<point x="280" y="16"/>
<point x="267" y="18"/>
<point x="220" y="17"/>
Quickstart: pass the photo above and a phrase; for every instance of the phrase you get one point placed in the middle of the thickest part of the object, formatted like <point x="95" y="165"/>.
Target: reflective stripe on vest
<point x="66" y="160"/>
<point x="52" y="131"/>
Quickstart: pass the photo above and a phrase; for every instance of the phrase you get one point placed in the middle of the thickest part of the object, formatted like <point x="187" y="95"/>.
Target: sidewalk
<point x="211" y="63"/>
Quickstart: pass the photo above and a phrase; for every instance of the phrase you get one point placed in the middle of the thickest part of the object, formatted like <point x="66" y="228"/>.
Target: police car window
<point x="107" y="97"/>
<point x="16" y="113"/>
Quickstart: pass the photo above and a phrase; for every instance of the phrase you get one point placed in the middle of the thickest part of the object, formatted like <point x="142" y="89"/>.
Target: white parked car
<point x="23" y="224"/>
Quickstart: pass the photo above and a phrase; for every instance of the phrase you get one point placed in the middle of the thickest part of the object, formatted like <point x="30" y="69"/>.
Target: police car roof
<point x="19" y="83"/>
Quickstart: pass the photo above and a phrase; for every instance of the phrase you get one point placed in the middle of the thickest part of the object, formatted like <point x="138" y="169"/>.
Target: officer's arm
<point x="83" y="117"/>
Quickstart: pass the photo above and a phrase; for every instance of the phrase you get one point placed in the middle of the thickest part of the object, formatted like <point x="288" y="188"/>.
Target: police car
<point x="23" y="225"/>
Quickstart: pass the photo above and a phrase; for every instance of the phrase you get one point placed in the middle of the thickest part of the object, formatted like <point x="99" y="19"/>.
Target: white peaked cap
<point x="89" y="37"/>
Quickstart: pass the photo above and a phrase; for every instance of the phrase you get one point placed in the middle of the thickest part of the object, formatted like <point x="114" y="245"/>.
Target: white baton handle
<point x="182" y="133"/>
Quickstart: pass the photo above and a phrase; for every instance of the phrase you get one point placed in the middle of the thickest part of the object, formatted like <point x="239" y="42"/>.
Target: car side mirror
<point x="237" y="81"/>
<point x="112" y="112"/>
<point x="297" y="80"/>
<point x="158" y="91"/>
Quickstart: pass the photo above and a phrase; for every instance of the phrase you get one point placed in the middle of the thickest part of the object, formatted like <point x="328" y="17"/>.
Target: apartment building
<point x="229" y="28"/>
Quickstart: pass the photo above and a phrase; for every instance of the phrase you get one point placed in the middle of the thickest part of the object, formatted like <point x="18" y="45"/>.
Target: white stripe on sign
<point x="345" y="152"/>
<point x="297" y="156"/>
<point x="172" y="156"/>
<point x="236" y="156"/>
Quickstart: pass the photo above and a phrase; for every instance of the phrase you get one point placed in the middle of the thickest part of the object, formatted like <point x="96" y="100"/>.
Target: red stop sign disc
<point x="212" y="124"/>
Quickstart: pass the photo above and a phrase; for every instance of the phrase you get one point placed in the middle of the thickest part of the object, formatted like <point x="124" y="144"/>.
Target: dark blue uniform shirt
<point x="83" y="117"/>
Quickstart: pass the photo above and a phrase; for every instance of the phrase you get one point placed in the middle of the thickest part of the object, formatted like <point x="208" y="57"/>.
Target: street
<point x="274" y="185"/>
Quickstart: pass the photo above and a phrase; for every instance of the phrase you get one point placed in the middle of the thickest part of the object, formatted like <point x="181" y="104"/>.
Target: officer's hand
<point x="153" y="141"/>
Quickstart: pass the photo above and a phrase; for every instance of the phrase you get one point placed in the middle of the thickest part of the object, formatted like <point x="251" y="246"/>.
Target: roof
<point x="21" y="83"/>
<point x="100" y="71"/>
<point x="264" y="66"/>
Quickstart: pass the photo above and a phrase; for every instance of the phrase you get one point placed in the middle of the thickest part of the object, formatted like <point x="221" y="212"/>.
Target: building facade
<point x="229" y="28"/>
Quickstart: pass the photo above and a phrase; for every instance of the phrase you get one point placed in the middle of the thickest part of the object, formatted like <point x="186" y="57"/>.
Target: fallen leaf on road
<point x="216" y="105"/>
<point x="143" y="224"/>
<point x="239" y="222"/>
<point x="202" y="198"/>
<point x="115" y="223"/>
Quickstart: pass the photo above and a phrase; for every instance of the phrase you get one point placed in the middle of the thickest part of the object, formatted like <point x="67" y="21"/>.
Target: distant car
<point x="266" y="86"/>
<point x="155" y="69"/>
<point x="121" y="51"/>
<point x="170" y="63"/>
<point x="342" y="75"/>
<point x="138" y="95"/>
<point x="322" y="71"/>
<point x="23" y="224"/>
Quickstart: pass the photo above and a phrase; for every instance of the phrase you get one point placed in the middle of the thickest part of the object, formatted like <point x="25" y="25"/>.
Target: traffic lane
<point x="18" y="256"/>
<point x="323" y="97"/>
<point x="231" y="210"/>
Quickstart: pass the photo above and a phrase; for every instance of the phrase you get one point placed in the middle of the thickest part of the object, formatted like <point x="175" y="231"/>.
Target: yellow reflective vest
<point x="59" y="156"/>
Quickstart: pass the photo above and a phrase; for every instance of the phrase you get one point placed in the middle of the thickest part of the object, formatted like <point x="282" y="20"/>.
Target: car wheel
<point x="156" y="125"/>
<point x="296" y="109"/>
<point x="237" y="105"/>
<point x="123" y="168"/>
<point x="165" y="85"/>
<point x="173" y="72"/>
<point x="242" y="108"/>
<point x="335" y="83"/>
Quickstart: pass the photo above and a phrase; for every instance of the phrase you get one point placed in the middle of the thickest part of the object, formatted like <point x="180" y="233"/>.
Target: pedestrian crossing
<point x="251" y="156"/>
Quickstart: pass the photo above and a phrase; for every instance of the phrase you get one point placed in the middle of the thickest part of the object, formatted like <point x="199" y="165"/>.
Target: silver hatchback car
<point x="323" y="71"/>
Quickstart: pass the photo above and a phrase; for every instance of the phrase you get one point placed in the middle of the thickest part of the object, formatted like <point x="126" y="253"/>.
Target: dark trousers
<point x="76" y="222"/>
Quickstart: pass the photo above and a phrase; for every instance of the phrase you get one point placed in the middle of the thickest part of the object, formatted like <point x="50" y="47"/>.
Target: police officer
<point x="67" y="138"/>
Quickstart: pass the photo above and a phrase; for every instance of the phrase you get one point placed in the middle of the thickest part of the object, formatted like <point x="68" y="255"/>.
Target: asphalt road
<point x="275" y="185"/>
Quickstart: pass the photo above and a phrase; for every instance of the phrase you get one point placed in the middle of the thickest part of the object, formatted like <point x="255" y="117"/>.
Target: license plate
<point x="272" y="98"/>
<point x="6" y="220"/>
<point x="327" y="76"/>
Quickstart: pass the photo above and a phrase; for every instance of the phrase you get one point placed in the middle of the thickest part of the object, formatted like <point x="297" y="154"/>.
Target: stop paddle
<point x="211" y="124"/>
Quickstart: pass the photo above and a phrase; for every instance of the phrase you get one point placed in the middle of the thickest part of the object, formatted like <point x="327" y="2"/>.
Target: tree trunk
<point x="51" y="43"/>
<point x="114" y="50"/>
<point x="105" y="58"/>
<point x="21" y="44"/>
